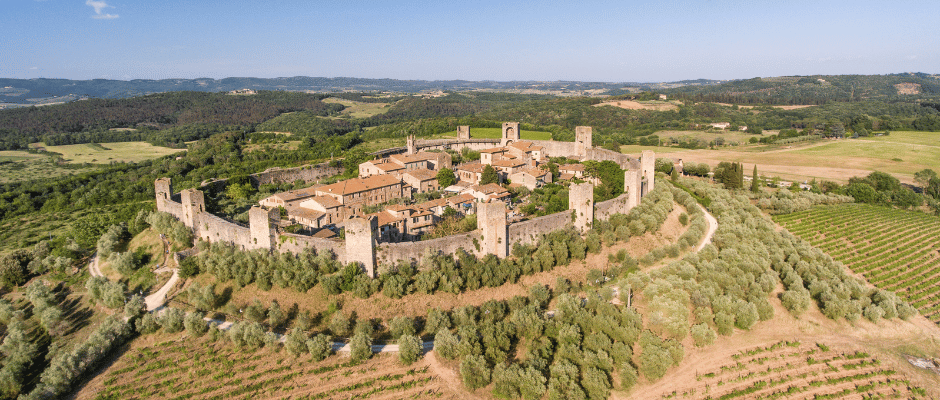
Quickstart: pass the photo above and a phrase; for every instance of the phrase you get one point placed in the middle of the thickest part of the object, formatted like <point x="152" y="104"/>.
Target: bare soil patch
<point x="908" y="88"/>
<point x="636" y="105"/>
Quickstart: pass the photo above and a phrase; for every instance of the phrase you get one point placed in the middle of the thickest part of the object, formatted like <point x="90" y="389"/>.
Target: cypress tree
<point x="754" y="185"/>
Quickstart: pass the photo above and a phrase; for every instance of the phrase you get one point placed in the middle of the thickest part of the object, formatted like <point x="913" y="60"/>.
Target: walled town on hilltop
<point x="376" y="218"/>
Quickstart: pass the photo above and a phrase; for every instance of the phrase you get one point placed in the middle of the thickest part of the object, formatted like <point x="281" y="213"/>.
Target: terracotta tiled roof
<point x="325" y="201"/>
<point x="407" y="158"/>
<point x="422" y="174"/>
<point x="471" y="167"/>
<point x="571" y="167"/>
<point x="508" y="163"/>
<point x="359" y="185"/>
<point x="305" y="213"/>
<point x="494" y="150"/>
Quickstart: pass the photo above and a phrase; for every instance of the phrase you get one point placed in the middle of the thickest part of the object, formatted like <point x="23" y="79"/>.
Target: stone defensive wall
<point x="393" y="253"/>
<point x="495" y="235"/>
<point x="306" y="173"/>
<point x="529" y="232"/>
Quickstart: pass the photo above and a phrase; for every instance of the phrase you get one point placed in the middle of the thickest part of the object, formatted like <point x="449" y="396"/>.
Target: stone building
<point x="353" y="194"/>
<point x="421" y="180"/>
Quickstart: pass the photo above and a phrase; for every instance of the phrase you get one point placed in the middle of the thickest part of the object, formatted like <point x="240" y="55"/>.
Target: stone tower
<point x="648" y="161"/>
<point x="412" y="146"/>
<point x="581" y="202"/>
<point x="463" y="132"/>
<point x="193" y="204"/>
<point x="491" y="220"/>
<point x="632" y="185"/>
<point x="510" y="133"/>
<point x="360" y="243"/>
<point x="163" y="187"/>
<point x="583" y="136"/>
<point x="259" y="223"/>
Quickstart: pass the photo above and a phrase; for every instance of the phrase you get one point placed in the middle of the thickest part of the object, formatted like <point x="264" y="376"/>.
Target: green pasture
<point x="357" y="109"/>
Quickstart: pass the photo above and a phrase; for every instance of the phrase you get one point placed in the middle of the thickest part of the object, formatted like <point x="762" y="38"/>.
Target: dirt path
<point x="158" y="299"/>
<point x="93" y="268"/>
<point x="712" y="227"/>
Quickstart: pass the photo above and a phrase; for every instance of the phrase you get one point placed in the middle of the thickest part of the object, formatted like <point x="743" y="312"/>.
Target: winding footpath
<point x="712" y="227"/>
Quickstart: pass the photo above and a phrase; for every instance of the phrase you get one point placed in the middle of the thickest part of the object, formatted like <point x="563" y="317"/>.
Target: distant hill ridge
<point x="43" y="90"/>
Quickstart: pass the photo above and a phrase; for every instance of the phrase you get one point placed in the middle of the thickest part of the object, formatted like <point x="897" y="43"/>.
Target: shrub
<point x="703" y="335"/>
<point x="724" y="322"/>
<point x="172" y="320"/>
<point x="112" y="294"/>
<point x="135" y="307"/>
<point x="296" y="342"/>
<point x="256" y="312"/>
<point x="276" y="316"/>
<point x="320" y="346"/>
<point x="436" y="320"/>
<point x="445" y="344"/>
<point x="360" y="347"/>
<point x="272" y="341"/>
<point x="253" y="335"/>
<point x="339" y="324"/>
<point x="595" y="383"/>
<point x="474" y="372"/>
<point x="195" y="324"/>
<point x="409" y="349"/>
<point x="796" y="301"/>
<point x="147" y="324"/>
<point x="628" y="376"/>
<point x="401" y="326"/>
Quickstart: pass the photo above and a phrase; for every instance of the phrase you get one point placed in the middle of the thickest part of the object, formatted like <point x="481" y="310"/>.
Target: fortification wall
<point x="173" y="208"/>
<point x="215" y="229"/>
<point x="306" y="173"/>
<point x="558" y="149"/>
<point x="617" y="205"/>
<point x="598" y="154"/>
<point x="529" y="232"/>
<point x="392" y="253"/>
<point x="293" y="243"/>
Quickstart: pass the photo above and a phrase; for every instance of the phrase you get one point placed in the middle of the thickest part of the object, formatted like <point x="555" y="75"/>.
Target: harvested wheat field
<point x="644" y="105"/>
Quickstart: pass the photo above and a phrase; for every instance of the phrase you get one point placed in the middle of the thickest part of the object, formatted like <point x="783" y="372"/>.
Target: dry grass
<point x="792" y="107"/>
<point x="900" y="154"/>
<point x="105" y="153"/>
<point x="654" y="105"/>
<point x="357" y="109"/>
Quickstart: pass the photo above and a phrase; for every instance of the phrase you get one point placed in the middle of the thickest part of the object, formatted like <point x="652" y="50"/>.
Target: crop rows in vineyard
<point x="197" y="369"/>
<point x="894" y="249"/>
<point x="794" y="370"/>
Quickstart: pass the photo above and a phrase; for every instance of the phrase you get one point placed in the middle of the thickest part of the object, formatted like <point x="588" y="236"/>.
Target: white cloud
<point x="99" y="7"/>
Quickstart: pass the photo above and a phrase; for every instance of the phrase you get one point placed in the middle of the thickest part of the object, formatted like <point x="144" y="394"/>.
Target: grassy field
<point x="18" y="166"/>
<point x="356" y="109"/>
<point x="901" y="154"/>
<point x="894" y="249"/>
<point x="176" y="367"/>
<point x="94" y="153"/>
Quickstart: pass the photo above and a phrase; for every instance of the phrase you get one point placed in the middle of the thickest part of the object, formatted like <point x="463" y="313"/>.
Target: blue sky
<point x="616" y="41"/>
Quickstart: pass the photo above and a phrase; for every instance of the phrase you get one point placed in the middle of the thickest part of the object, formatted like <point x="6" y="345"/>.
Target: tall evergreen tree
<point x="754" y="185"/>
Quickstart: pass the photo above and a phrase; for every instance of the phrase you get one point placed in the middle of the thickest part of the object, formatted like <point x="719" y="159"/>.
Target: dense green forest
<point x="814" y="89"/>
<point x="186" y="115"/>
